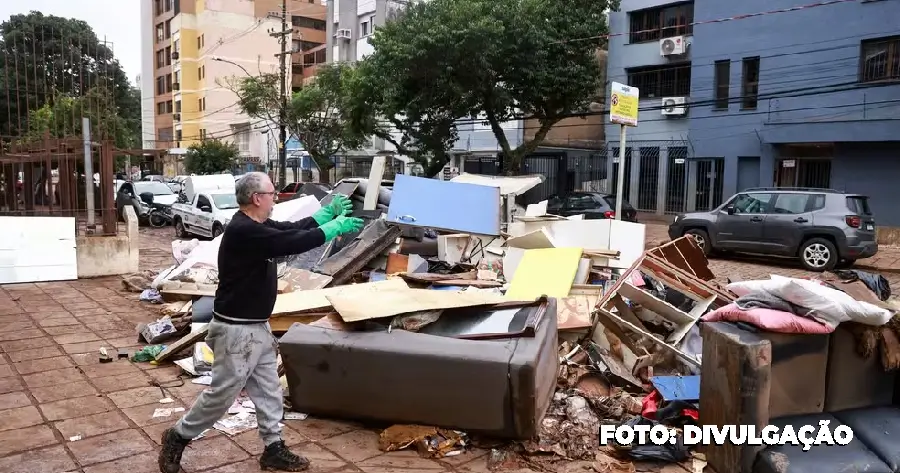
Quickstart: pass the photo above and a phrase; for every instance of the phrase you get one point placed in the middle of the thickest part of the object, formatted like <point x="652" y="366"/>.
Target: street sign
<point x="623" y="105"/>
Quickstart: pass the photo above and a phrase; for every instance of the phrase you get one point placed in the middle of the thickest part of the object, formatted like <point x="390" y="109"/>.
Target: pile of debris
<point x="537" y="328"/>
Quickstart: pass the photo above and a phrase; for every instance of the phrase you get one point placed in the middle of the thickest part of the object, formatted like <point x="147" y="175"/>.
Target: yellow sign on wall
<point x="623" y="104"/>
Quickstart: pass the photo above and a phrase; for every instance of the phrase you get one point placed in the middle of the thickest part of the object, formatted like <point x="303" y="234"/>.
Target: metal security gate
<point x="803" y="172"/>
<point x="487" y="165"/>
<point x="547" y="166"/>
<point x="648" y="179"/>
<point x="614" y="184"/>
<point x="676" y="180"/>
<point x="710" y="174"/>
<point x="586" y="173"/>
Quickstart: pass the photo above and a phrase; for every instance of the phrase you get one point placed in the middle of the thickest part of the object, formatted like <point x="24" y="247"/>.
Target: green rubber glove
<point x="341" y="226"/>
<point x="340" y="205"/>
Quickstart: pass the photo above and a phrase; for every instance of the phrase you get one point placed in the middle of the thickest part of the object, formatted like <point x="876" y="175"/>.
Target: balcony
<point x="309" y="34"/>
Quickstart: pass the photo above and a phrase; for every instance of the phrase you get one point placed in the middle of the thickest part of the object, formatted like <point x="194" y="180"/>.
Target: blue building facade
<point x="802" y="98"/>
<point x="656" y="150"/>
<point x="806" y="98"/>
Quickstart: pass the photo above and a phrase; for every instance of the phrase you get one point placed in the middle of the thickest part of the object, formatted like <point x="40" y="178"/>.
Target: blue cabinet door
<point x="445" y="205"/>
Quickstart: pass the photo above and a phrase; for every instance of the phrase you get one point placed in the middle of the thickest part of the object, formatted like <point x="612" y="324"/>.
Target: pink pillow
<point x="767" y="319"/>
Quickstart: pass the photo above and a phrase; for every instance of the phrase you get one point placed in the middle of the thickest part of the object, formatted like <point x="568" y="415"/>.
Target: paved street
<point x="61" y="410"/>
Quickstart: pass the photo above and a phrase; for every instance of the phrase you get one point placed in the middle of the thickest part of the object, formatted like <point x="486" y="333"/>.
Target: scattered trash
<point x="166" y="400"/>
<point x="75" y="438"/>
<point x="431" y="442"/>
<point x="147" y="353"/>
<point x="234" y="425"/>
<point x="295" y="415"/>
<point x="166" y="411"/>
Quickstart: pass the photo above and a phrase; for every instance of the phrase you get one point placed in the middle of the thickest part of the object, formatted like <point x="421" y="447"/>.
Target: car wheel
<point x="818" y="254"/>
<point x="180" y="232"/>
<point x="702" y="239"/>
<point x="217" y="230"/>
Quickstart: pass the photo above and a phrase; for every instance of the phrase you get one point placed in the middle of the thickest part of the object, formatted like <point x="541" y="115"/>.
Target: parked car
<point x="130" y="194"/>
<point x="824" y="228"/>
<point x="593" y="205"/>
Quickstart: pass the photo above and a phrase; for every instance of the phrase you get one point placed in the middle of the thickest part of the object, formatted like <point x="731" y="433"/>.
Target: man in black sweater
<point x="239" y="335"/>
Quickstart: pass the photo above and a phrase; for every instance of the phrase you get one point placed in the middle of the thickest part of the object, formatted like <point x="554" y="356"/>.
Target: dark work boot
<point x="172" y="448"/>
<point x="277" y="457"/>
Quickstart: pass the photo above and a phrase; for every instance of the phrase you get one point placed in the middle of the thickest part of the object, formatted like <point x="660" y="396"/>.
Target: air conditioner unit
<point x="175" y="55"/>
<point x="674" y="106"/>
<point x="343" y="34"/>
<point x="176" y="117"/>
<point x="176" y="86"/>
<point x="673" y="46"/>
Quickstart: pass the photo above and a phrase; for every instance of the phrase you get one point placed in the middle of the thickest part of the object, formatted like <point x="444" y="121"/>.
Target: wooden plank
<point x="282" y="323"/>
<point x="182" y="344"/>
<point x="305" y="280"/>
<point x="316" y="300"/>
<point x="373" y="187"/>
<point x="388" y="302"/>
<point x="545" y="272"/>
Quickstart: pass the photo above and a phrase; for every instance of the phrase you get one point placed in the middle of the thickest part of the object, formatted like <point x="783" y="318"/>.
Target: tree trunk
<point x="325" y="165"/>
<point x="434" y="166"/>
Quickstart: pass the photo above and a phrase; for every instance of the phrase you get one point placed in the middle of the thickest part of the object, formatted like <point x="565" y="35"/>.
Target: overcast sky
<point x="118" y="20"/>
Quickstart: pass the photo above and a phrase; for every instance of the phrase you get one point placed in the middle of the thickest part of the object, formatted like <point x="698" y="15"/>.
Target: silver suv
<point x="825" y="228"/>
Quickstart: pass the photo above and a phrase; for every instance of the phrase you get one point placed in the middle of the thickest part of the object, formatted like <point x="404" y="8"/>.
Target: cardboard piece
<point x="391" y="301"/>
<point x="307" y="301"/>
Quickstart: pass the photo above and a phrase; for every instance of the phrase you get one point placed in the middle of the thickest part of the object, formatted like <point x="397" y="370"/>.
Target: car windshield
<point x="225" y="201"/>
<point x="157" y="188"/>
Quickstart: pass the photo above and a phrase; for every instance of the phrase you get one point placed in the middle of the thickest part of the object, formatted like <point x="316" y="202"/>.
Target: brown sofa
<point x="759" y="378"/>
<point x="497" y="387"/>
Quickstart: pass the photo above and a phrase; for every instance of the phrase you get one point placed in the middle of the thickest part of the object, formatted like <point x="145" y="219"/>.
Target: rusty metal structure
<point x="56" y="72"/>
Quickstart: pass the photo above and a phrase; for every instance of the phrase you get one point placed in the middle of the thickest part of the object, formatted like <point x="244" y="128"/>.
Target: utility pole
<point x="282" y="111"/>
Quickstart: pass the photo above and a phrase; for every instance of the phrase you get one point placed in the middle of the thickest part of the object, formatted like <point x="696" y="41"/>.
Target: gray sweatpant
<point x="244" y="356"/>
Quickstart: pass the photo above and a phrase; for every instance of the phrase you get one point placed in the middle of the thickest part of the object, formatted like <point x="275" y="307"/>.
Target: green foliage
<point x="444" y="60"/>
<point x="313" y="114"/>
<point x="75" y="68"/>
<point x="211" y="156"/>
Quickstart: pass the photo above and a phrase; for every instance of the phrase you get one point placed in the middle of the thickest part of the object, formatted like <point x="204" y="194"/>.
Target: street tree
<point x="376" y="107"/>
<point x="497" y="60"/>
<point x="44" y="58"/>
<point x="211" y="156"/>
<point x="313" y="114"/>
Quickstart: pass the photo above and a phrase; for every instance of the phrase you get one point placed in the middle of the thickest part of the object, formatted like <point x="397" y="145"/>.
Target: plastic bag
<point x="148" y="353"/>
<point x="670" y="452"/>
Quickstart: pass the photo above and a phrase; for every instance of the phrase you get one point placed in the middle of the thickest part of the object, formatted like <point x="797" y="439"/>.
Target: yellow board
<point x="544" y="272"/>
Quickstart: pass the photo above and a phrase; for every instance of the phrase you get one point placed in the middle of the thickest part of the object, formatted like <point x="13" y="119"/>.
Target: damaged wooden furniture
<point x="761" y="378"/>
<point x="681" y="266"/>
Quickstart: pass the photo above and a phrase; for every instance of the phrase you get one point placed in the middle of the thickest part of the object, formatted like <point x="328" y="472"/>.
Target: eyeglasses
<point x="273" y="193"/>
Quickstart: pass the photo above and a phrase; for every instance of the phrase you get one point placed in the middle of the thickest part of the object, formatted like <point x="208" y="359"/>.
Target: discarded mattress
<point x="500" y="388"/>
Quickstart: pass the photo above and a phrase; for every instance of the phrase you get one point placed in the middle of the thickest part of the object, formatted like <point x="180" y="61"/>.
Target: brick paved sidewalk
<point x="53" y="390"/>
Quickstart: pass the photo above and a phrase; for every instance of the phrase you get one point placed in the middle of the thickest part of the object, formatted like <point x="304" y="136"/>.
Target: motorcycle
<point x="158" y="215"/>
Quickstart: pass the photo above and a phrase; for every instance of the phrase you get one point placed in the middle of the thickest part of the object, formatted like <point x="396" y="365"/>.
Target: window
<point x="200" y="41"/>
<point x="202" y="201"/>
<point x="661" y="81"/>
<point x="158" y="7"/>
<point x="722" y="73"/>
<point x="750" y="83"/>
<point x="160" y="108"/>
<point x="168" y="54"/>
<point x="168" y="28"/>
<point x="859" y="205"/>
<point x="168" y="82"/>
<point x="755" y="203"/>
<point x="880" y="60"/>
<point x="201" y="104"/>
<point x="364" y="28"/>
<point x="304" y="22"/>
<point x="168" y="106"/>
<point x="160" y="58"/>
<point x="164" y="134"/>
<point x="791" y="204"/>
<point x="658" y="23"/>
<point x="580" y="202"/>
<point x="160" y="85"/>
<point x="203" y="133"/>
<point x="178" y="106"/>
<point x="160" y="32"/>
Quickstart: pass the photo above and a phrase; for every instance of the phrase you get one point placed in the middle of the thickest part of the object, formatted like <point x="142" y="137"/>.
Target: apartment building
<point x="192" y="49"/>
<point x="651" y="47"/>
<point x="806" y="98"/>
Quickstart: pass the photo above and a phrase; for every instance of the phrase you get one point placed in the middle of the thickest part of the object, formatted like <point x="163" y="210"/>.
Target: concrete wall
<point x="803" y="53"/>
<point x="109" y="255"/>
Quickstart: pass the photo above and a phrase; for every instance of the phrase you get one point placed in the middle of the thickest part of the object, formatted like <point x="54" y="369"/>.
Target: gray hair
<point x="249" y="184"/>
